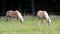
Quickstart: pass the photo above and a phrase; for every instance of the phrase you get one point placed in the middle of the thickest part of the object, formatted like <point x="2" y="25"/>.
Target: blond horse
<point x="43" y="15"/>
<point x="15" y="14"/>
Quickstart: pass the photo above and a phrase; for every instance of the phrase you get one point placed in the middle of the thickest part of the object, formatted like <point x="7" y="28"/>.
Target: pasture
<point x="30" y="26"/>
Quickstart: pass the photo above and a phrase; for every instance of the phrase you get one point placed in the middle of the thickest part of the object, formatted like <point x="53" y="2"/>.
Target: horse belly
<point x="13" y="14"/>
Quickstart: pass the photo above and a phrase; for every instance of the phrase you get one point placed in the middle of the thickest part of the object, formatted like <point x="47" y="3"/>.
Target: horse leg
<point x="47" y="20"/>
<point x="39" y="22"/>
<point x="7" y="18"/>
<point x="16" y="18"/>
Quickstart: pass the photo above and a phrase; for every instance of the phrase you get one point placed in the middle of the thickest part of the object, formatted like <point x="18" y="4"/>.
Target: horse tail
<point x="20" y="16"/>
<point x="47" y="16"/>
<point x="7" y="15"/>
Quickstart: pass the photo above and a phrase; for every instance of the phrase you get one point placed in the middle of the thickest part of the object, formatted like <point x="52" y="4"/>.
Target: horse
<point x="14" y="13"/>
<point x="42" y="14"/>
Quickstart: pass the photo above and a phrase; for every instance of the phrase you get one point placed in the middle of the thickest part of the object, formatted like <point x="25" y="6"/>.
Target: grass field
<point x="30" y="26"/>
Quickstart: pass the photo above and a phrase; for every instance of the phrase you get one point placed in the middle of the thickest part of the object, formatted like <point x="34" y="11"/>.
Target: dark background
<point x="25" y="6"/>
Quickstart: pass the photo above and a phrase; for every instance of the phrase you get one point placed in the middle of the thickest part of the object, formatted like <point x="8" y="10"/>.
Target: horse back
<point x="11" y="13"/>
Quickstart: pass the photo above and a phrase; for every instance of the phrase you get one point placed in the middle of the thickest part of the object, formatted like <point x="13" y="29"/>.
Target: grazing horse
<point x="16" y="14"/>
<point x="43" y="15"/>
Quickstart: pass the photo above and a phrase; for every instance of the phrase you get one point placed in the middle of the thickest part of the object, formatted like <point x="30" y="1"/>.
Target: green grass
<point x="30" y="26"/>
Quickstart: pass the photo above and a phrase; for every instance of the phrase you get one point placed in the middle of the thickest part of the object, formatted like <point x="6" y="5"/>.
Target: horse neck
<point x="47" y="16"/>
<point x="19" y="15"/>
